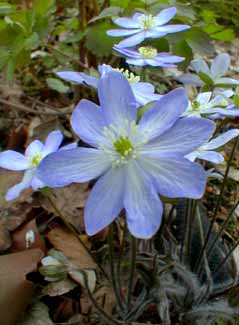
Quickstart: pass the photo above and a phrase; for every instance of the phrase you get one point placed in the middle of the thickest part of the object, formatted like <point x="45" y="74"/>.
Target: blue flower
<point x="132" y="161"/>
<point x="214" y="107"/>
<point x="143" y="91"/>
<point x="141" y="27"/>
<point x="206" y="151"/>
<point x="213" y="75"/>
<point x="147" y="55"/>
<point x="28" y="162"/>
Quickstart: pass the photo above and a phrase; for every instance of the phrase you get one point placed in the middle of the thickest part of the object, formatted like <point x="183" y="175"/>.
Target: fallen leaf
<point x="70" y="201"/>
<point x="106" y="299"/>
<point x="16" y="291"/>
<point x="79" y="278"/>
<point x="71" y="247"/>
<point x="10" y="219"/>
<point x="59" y="288"/>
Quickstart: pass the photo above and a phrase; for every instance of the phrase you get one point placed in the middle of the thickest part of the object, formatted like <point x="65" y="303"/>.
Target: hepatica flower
<point x="206" y="104"/>
<point x="28" y="162"/>
<point x="132" y="161"/>
<point x="207" y="150"/>
<point x="212" y="75"/>
<point x="147" y="55"/>
<point x="143" y="91"/>
<point x="141" y="27"/>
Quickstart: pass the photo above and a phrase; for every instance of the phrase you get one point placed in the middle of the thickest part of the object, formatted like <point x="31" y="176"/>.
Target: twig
<point x="115" y="283"/>
<point x="26" y="109"/>
<point x="132" y="269"/>
<point x="217" y="205"/>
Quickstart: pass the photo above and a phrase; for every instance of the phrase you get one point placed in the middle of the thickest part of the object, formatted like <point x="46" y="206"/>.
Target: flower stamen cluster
<point x="147" y="22"/>
<point x="148" y="52"/>
<point x="35" y="160"/>
<point x="130" y="76"/>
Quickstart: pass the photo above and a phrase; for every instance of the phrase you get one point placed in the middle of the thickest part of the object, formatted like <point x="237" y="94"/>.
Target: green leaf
<point x="97" y="41"/>
<point x="43" y="6"/>
<point x="6" y="8"/>
<point x="4" y="56"/>
<point x="57" y="85"/>
<point x="108" y="13"/>
<point x="183" y="49"/>
<point x="236" y="97"/>
<point x="205" y="78"/>
<point x="32" y="41"/>
<point x="10" y="68"/>
<point x="199" y="42"/>
<point x="225" y="35"/>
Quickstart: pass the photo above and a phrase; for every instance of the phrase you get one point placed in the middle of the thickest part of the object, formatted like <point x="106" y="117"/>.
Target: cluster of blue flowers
<point x="134" y="158"/>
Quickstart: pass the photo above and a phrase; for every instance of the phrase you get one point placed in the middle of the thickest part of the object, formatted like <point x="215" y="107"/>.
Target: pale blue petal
<point x="104" y="68"/>
<point x="176" y="176"/>
<point x="167" y="58"/>
<point x="127" y="52"/>
<point x="227" y="81"/>
<point x="143" y="207"/>
<point x="78" y="165"/>
<point x="122" y="32"/>
<point x="212" y="156"/>
<point x="139" y="62"/>
<point x="190" y="79"/>
<point x="221" y="140"/>
<point x="154" y="34"/>
<point x="34" y="148"/>
<point x="165" y="15"/>
<point x="127" y="22"/>
<point x="87" y="122"/>
<point x="89" y="80"/>
<point x="186" y="135"/>
<point x="53" y="142"/>
<point x="132" y="40"/>
<point x="200" y="65"/>
<point x="13" y="160"/>
<point x="36" y="183"/>
<point x="220" y="65"/>
<point x="116" y="98"/>
<point x="169" y="29"/>
<point x="16" y="190"/>
<point x="164" y="113"/>
<point x="71" y="76"/>
<point x="69" y="146"/>
<point x="105" y="201"/>
<point x="144" y="93"/>
<point x="204" y="98"/>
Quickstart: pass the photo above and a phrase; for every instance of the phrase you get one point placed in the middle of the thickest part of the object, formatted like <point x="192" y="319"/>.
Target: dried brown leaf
<point x="15" y="289"/>
<point x="71" y="247"/>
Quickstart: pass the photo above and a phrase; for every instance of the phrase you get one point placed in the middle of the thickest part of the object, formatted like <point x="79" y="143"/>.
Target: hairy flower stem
<point x="217" y="204"/>
<point x="132" y="270"/>
<point x="115" y="283"/>
<point x="226" y="257"/>
<point x="106" y="317"/>
<point x="223" y="227"/>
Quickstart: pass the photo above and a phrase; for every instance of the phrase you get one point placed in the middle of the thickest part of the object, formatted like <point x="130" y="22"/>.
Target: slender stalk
<point x="226" y="257"/>
<point x="106" y="317"/>
<point x="217" y="204"/>
<point x="132" y="269"/>
<point x="190" y="228"/>
<point x="186" y="221"/>
<point x="223" y="227"/>
<point x="118" y="266"/>
<point x="115" y="283"/>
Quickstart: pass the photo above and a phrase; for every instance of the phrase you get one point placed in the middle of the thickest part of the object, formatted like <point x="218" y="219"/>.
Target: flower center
<point x="35" y="160"/>
<point x="148" y="22"/>
<point x="195" y="105"/>
<point x="123" y="146"/>
<point x="132" y="78"/>
<point x="148" y="52"/>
